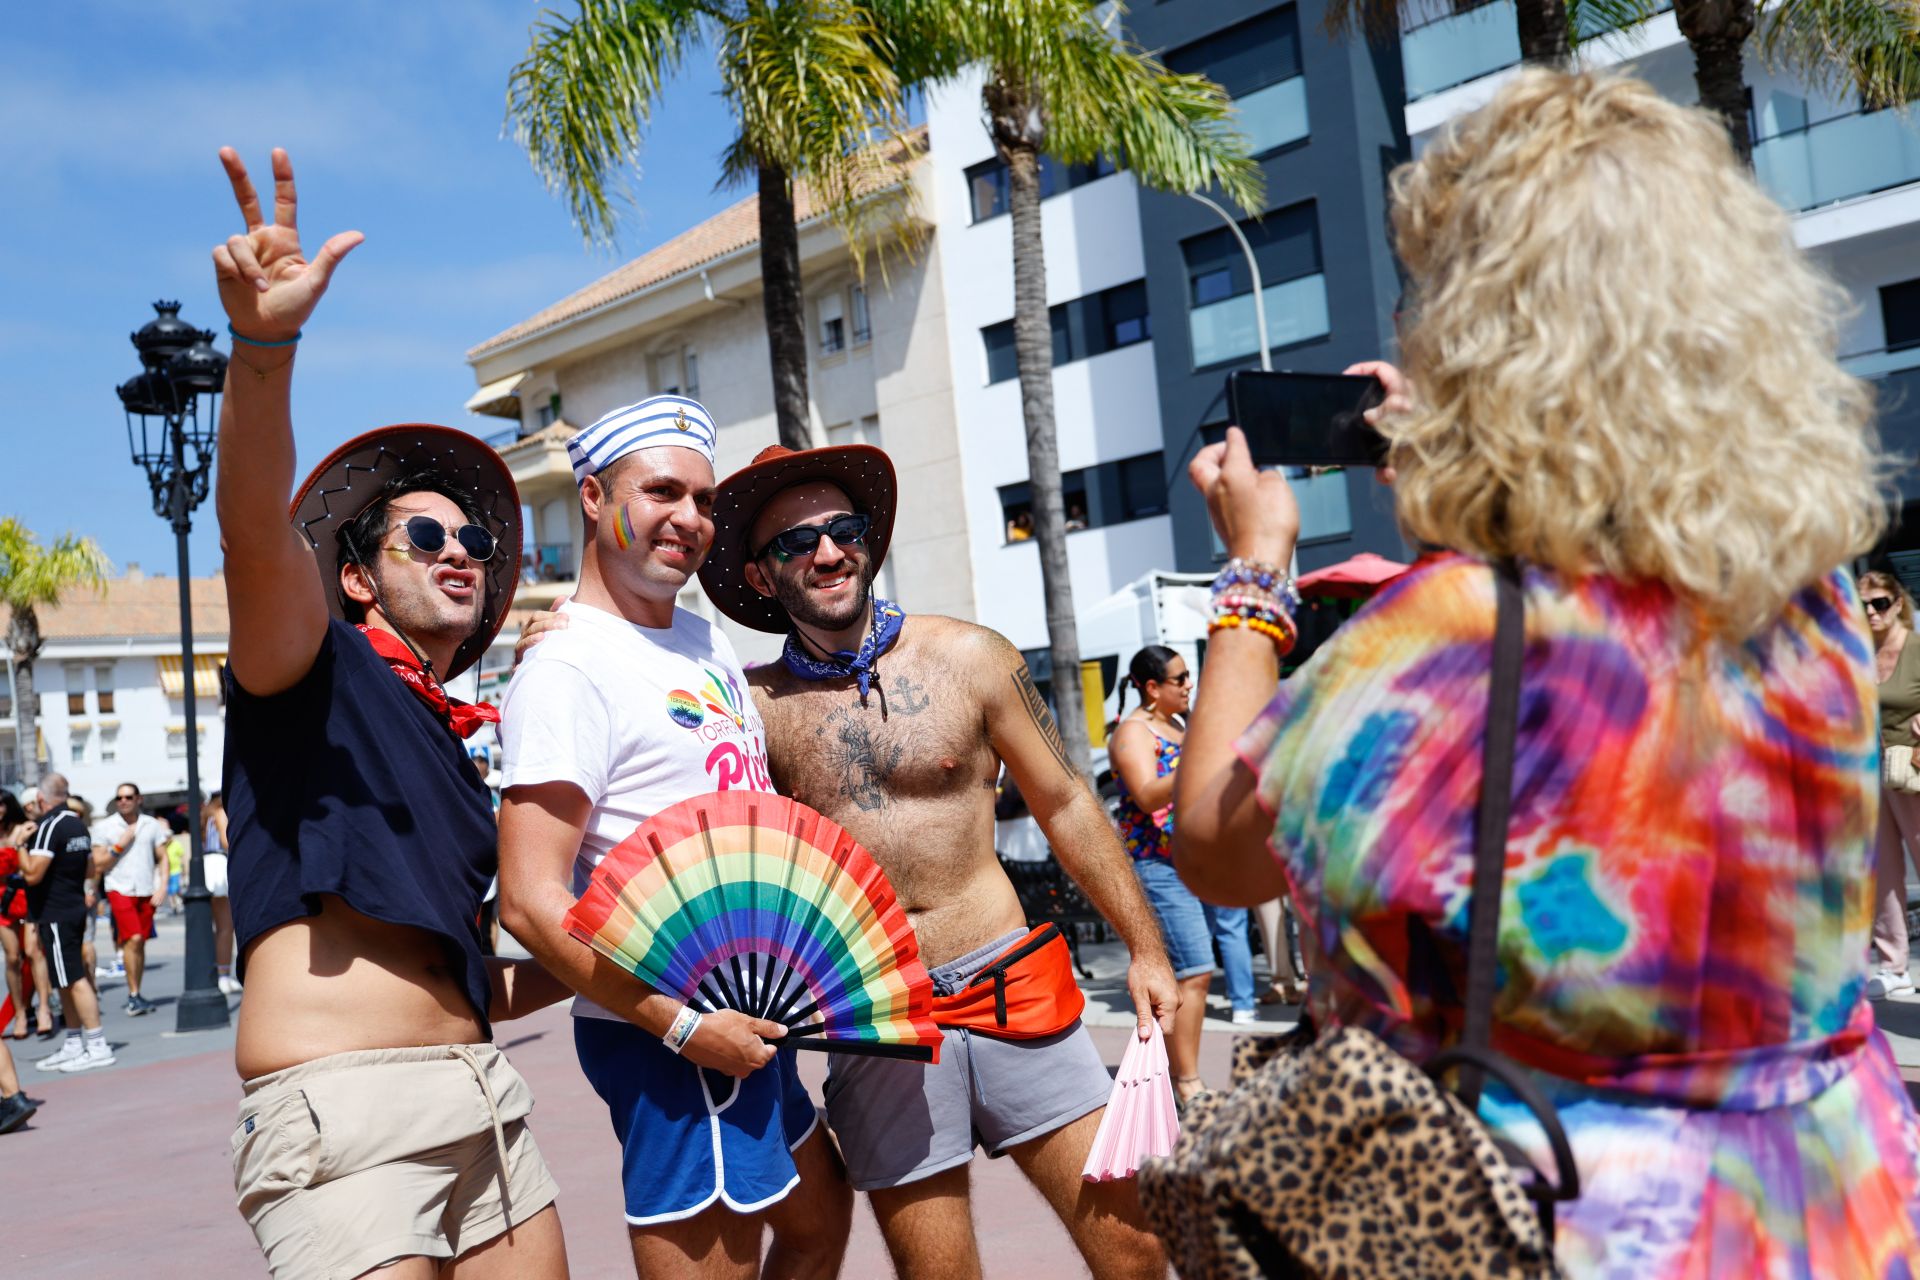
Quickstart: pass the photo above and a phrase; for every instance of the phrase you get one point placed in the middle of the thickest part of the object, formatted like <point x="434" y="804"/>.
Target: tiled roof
<point x="134" y="607"/>
<point x="731" y="229"/>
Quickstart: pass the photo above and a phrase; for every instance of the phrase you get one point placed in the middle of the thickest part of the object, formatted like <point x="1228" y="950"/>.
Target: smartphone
<point x="1307" y="419"/>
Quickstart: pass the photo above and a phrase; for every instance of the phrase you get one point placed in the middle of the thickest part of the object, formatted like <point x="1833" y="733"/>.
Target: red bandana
<point x="461" y="717"/>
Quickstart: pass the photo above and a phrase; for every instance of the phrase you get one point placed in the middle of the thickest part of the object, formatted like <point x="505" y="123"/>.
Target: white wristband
<point x="685" y="1023"/>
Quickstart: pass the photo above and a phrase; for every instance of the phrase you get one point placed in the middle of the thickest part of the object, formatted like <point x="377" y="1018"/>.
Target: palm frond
<point x="1868" y="47"/>
<point x="814" y="91"/>
<point x="32" y="575"/>
<point x="580" y="100"/>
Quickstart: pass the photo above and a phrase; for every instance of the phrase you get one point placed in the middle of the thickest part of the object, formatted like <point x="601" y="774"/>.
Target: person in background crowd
<point x="1144" y="749"/>
<point x="1897" y="666"/>
<point x="57" y="865"/>
<point x="133" y="847"/>
<point x="176" y="849"/>
<point x="1663" y="440"/>
<point x="33" y="961"/>
<point x="82" y="808"/>
<point x="15" y="831"/>
<point x="1286" y="983"/>
<point x="213" y="866"/>
<point x="15" y="1107"/>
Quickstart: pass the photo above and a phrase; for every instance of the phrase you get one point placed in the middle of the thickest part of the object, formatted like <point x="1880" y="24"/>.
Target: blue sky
<point x="111" y="114"/>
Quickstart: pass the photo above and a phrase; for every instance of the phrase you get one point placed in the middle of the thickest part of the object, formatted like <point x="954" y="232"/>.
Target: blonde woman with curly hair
<point x="1897" y="668"/>
<point x="1620" y="372"/>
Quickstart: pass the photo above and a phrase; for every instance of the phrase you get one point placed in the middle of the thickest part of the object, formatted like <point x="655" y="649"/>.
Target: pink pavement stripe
<point x="157" y="1136"/>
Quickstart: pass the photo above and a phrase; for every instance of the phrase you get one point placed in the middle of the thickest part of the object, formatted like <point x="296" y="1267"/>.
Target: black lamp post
<point x="173" y="443"/>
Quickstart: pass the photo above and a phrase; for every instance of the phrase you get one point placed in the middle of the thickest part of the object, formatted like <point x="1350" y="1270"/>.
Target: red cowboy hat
<point x="341" y="487"/>
<point x="862" y="470"/>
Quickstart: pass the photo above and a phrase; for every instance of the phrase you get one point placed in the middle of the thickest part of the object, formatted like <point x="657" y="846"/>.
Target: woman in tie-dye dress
<point x="1619" y="370"/>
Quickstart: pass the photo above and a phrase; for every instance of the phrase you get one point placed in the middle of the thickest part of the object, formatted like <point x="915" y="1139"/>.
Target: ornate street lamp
<point x="173" y="442"/>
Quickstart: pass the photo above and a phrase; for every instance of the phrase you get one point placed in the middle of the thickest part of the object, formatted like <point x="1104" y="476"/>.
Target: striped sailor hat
<point x="653" y="422"/>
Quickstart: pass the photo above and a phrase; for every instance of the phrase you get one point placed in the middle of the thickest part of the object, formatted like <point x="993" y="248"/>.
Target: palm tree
<point x="32" y="576"/>
<point x="1547" y="28"/>
<point x="1061" y="82"/>
<point x="811" y="86"/>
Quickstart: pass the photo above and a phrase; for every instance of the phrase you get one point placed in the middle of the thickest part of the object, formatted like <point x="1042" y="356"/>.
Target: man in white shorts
<point x="634" y="707"/>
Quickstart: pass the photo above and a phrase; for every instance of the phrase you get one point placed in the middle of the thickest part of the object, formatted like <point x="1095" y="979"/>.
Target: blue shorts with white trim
<point x="689" y="1137"/>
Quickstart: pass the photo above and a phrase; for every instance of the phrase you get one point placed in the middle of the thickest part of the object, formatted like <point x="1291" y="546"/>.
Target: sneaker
<point x="1244" y="1016"/>
<point x="229" y="985"/>
<point x="15" y="1110"/>
<point x="58" y="1060"/>
<point x="89" y="1059"/>
<point x="1886" y="982"/>
<point x="138" y="1006"/>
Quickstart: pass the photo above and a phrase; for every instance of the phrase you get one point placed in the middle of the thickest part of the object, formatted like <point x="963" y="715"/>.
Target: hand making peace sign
<point x="267" y="287"/>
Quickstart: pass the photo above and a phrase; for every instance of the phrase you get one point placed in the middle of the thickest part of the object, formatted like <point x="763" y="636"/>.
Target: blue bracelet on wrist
<point x="237" y="336"/>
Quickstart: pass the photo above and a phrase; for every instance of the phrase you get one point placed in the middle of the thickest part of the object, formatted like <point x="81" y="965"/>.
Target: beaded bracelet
<point x="1257" y="574"/>
<point x="685" y="1023"/>
<point x="238" y="336"/>
<point x="1282" y="637"/>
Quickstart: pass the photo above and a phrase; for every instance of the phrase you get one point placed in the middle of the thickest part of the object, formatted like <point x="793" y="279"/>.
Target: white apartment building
<point x="1106" y="401"/>
<point x="686" y="316"/>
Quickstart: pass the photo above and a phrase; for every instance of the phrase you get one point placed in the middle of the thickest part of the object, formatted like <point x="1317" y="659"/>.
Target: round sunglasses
<point x="803" y="538"/>
<point x="429" y="537"/>
<point x="1879" y="604"/>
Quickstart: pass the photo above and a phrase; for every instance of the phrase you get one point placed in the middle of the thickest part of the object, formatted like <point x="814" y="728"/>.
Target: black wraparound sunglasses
<point x="803" y="538"/>
<point x="1879" y="604"/>
<point x="429" y="536"/>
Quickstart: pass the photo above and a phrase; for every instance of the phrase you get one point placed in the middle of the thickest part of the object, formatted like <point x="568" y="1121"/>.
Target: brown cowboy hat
<point x="341" y="487"/>
<point x="862" y="470"/>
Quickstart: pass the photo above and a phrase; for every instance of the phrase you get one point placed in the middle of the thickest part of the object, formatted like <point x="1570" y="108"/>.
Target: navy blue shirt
<point x="348" y="784"/>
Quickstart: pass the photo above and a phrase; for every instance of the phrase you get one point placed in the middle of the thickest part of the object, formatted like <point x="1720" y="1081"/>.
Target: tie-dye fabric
<point x="1683" y="942"/>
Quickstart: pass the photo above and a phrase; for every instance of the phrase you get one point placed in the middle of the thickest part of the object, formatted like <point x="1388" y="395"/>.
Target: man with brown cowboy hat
<point x="896" y="726"/>
<point x="380" y="1128"/>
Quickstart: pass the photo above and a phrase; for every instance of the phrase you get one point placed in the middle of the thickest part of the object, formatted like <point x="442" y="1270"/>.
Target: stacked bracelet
<point x="1275" y="628"/>
<point x="1256" y="576"/>
<point x="684" y="1025"/>
<point x="238" y="336"/>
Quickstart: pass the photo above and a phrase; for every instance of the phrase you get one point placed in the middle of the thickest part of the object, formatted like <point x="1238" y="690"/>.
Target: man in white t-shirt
<point x="136" y="882"/>
<point x="636" y="706"/>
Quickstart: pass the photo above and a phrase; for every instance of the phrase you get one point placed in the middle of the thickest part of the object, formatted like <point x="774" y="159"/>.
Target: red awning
<point x="1360" y="576"/>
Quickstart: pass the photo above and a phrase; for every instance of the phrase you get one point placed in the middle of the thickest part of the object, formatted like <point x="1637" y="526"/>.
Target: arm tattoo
<point x="1042" y="718"/>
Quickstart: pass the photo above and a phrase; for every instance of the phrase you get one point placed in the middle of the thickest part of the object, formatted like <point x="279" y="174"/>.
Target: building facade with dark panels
<point x="1326" y="116"/>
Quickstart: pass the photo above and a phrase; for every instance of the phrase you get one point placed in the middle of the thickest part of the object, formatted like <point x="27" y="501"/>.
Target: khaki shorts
<point x="356" y="1159"/>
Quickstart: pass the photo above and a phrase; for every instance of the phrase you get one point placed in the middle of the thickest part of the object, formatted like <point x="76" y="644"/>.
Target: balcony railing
<point x="1896" y="379"/>
<point x="547" y="562"/>
<point x="1839" y="158"/>
<point x="1275" y="115"/>
<point x="1228" y="329"/>
<point x="1448" y="49"/>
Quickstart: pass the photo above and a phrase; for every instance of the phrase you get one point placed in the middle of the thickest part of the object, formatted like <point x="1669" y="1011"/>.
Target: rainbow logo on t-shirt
<point x="622" y="529"/>
<point x="722" y="698"/>
<point x="685" y="709"/>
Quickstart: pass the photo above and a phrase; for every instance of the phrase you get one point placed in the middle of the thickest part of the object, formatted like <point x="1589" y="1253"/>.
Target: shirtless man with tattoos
<point x="896" y="727"/>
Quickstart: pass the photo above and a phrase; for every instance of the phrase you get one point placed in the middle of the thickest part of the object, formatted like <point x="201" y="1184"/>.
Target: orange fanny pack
<point x="1025" y="992"/>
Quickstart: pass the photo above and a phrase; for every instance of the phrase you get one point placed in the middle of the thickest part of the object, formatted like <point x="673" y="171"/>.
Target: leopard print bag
<point x="1334" y="1156"/>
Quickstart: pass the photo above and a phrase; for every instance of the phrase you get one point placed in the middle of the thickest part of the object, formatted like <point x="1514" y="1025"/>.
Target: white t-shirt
<point x="132" y="874"/>
<point x="639" y="718"/>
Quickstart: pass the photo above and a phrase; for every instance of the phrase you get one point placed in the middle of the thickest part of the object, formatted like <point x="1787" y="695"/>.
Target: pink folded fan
<point x="1140" y="1121"/>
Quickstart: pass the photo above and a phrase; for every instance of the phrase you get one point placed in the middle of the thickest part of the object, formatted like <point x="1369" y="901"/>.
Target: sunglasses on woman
<point x="429" y="537"/>
<point x="1879" y="604"/>
<point x="800" y="540"/>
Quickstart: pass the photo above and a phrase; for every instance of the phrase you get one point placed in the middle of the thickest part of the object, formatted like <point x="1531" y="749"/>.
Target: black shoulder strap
<point x="1490" y="829"/>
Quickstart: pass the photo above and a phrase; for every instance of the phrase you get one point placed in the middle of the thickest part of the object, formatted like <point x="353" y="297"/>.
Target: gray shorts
<point x="899" y="1122"/>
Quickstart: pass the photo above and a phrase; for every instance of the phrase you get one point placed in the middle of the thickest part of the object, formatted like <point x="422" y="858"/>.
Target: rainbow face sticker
<point x="623" y="536"/>
<point x="685" y="710"/>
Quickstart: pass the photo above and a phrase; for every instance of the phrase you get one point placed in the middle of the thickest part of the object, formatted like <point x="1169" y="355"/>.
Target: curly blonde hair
<point x="1621" y="363"/>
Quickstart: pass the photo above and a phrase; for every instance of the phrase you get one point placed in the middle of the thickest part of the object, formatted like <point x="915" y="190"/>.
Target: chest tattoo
<point x="906" y="698"/>
<point x="862" y="764"/>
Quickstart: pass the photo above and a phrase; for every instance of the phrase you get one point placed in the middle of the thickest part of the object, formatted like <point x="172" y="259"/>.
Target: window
<point x="1900" y="313"/>
<point x="1258" y="63"/>
<point x="1107" y="493"/>
<point x="833" y="325"/>
<point x="693" y="374"/>
<point x="103" y="689"/>
<point x="1089" y="326"/>
<point x="1221" y="320"/>
<point x="77" y="745"/>
<point x="987" y="182"/>
<point x="177" y="740"/>
<point x="548" y="414"/>
<point x="76" y="689"/>
<point x="6" y="700"/>
<point x="857" y="308"/>
<point x="109" y="744"/>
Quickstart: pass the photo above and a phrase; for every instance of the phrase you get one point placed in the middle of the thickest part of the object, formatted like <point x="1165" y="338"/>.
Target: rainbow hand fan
<point x="750" y="901"/>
